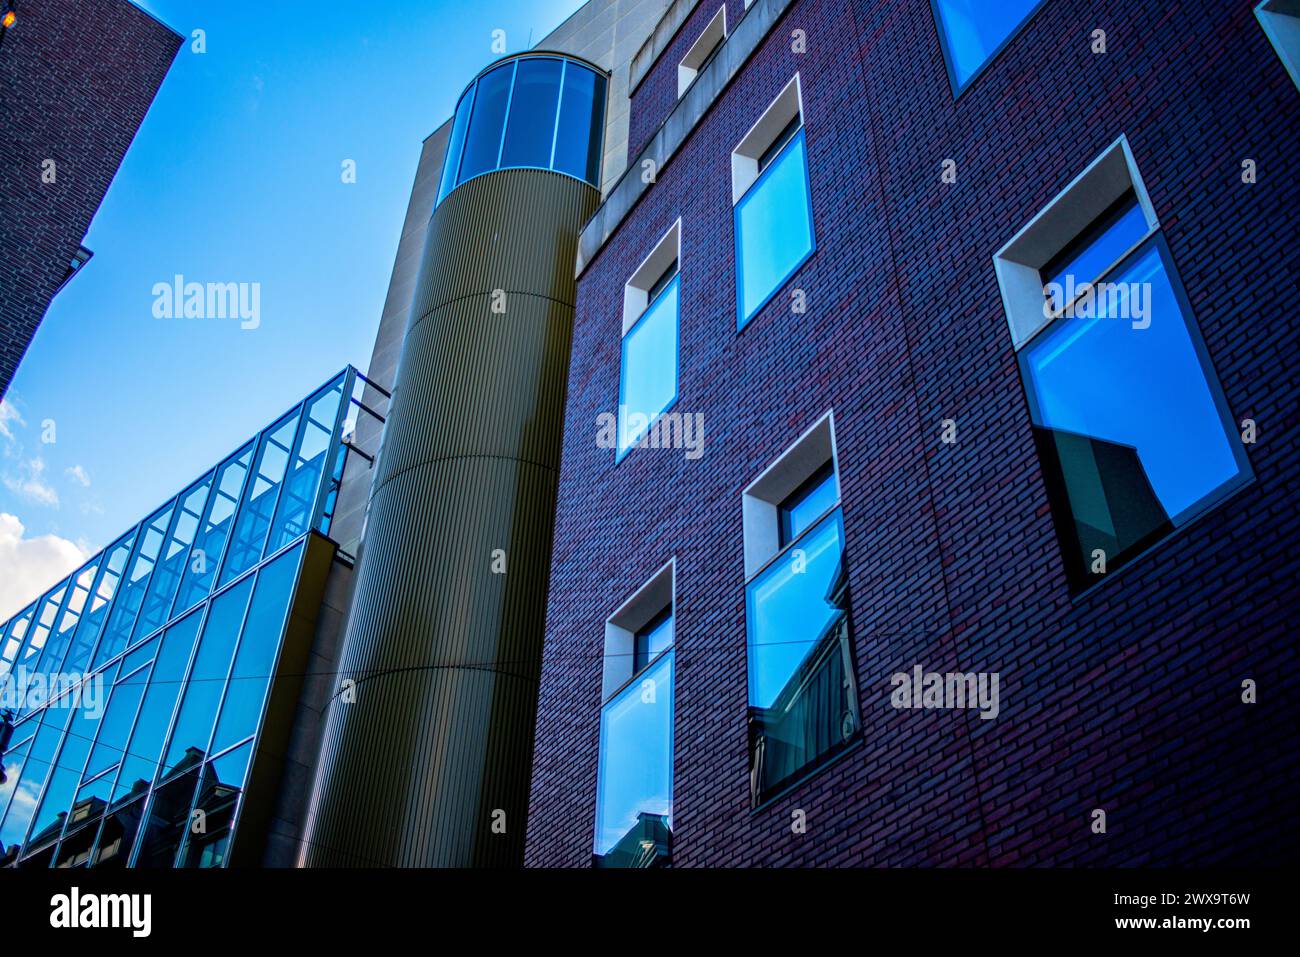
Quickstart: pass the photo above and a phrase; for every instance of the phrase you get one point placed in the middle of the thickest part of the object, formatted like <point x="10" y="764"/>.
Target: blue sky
<point x="235" y="176"/>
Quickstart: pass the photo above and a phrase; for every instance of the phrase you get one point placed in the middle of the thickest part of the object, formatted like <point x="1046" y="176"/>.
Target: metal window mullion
<point x="291" y="462"/>
<point x="45" y="786"/>
<point x="336" y="436"/>
<point x="505" y="119"/>
<point x="559" y="106"/>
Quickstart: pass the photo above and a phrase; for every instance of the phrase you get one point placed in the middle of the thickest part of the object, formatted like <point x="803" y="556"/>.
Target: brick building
<point x="885" y="388"/>
<point x="77" y="78"/>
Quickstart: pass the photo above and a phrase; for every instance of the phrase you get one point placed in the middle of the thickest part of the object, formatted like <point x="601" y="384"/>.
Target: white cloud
<point x="78" y="475"/>
<point x="9" y="414"/>
<point x="30" y="484"/>
<point x="29" y="566"/>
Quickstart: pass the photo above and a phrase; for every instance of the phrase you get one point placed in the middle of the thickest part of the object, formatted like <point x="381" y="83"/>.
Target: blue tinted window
<point x="973" y="30"/>
<point x="57" y="800"/>
<point x="1126" y="414"/>
<point x="534" y="112"/>
<point x="119" y="717"/>
<point x="172" y="561"/>
<point x="258" y="648"/>
<point x="483" y="141"/>
<point x="808" y="503"/>
<point x="1114" y="234"/>
<point x="203" y="688"/>
<point x="582" y="113"/>
<point x="40" y="758"/>
<point x="530" y="131"/>
<point x="131" y="594"/>
<point x="61" y="641"/>
<point x="201" y="567"/>
<point x="219" y="791"/>
<point x="655" y="638"/>
<point x="298" y="500"/>
<point x="648" y="371"/>
<point x="140" y="766"/>
<point x="634" y="790"/>
<point x="774" y="231"/>
<point x="260" y="497"/>
<point x="456" y="143"/>
<point x="802" y="702"/>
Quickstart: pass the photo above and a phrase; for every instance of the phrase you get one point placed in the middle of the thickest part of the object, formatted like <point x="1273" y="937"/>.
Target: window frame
<point x="1284" y="38"/>
<point x="702" y="52"/>
<point x="1080" y="588"/>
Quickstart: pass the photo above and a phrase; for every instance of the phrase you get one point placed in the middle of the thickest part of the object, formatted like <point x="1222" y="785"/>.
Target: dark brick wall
<point x="76" y="78"/>
<point x="656" y="95"/>
<point x="1125" y="698"/>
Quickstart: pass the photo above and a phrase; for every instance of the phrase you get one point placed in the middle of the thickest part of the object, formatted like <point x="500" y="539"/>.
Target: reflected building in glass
<point x="152" y="694"/>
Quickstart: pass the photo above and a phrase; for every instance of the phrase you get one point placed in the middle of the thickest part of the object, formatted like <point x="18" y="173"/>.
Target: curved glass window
<point x="535" y="112"/>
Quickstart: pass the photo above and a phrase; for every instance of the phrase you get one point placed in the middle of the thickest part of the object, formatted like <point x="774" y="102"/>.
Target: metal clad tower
<point x="428" y="738"/>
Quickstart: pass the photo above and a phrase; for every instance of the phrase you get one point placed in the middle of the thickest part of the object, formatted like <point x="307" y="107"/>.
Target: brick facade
<point x="77" y="78"/>
<point x="1126" y="697"/>
<point x="656" y="94"/>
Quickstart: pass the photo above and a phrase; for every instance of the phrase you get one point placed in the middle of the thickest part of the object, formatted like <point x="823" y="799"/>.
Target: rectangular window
<point x="773" y="203"/>
<point x="974" y="31"/>
<point x="803" y="702"/>
<point x="634" y="782"/>
<point x="634" y="802"/>
<point x="648" y="364"/>
<point x="1132" y="430"/>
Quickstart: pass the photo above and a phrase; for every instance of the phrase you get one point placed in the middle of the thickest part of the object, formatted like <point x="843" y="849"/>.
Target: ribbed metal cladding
<point x="446" y="653"/>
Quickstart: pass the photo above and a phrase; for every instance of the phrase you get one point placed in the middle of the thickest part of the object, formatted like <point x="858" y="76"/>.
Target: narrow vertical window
<point x="773" y="203"/>
<point x="648" y="362"/>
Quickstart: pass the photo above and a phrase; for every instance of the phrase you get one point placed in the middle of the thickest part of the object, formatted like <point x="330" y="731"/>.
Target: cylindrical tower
<point x="428" y="740"/>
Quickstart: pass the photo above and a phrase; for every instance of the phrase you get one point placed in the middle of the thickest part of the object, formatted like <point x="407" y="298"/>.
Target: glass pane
<point x="169" y="815"/>
<point x="40" y="758"/>
<point x="807" y="505"/>
<point x="456" y="143"/>
<point x="57" y="801"/>
<point x="140" y="766"/>
<point x="131" y="594"/>
<point x="650" y="641"/>
<point x="1116" y="236"/>
<point x="263" y="489"/>
<point x="974" y="29"/>
<point x="118" y="721"/>
<point x="258" y="649"/>
<point x="1132" y="438"/>
<point x="110" y="574"/>
<point x="483" y="142"/>
<point x="33" y="650"/>
<point x="774" y="233"/>
<point x="298" y="500"/>
<point x="802" y="702"/>
<point x="12" y="765"/>
<point x="203" y="688"/>
<point x="582" y="113"/>
<point x="531" y="128"/>
<point x="648" y="380"/>
<point x="56" y="647"/>
<point x="118" y="836"/>
<point x="171" y="565"/>
<point x="634" y="790"/>
<point x="219" y="791"/>
<point x="205" y="554"/>
<point x="18" y="627"/>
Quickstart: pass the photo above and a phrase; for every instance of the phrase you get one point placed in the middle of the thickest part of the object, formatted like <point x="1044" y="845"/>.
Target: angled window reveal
<point x="702" y="51"/>
<point x="973" y="32"/>
<point x="1133" y="433"/>
<point x="773" y="203"/>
